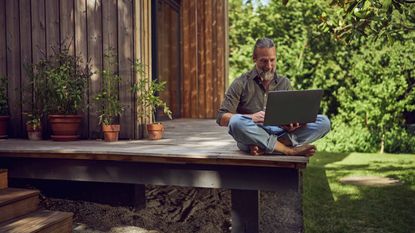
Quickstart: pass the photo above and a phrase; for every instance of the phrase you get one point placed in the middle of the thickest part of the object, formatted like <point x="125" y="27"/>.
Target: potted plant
<point x="65" y="90"/>
<point x="35" y="97"/>
<point x="4" y="107"/>
<point x="147" y="97"/>
<point x="109" y="105"/>
<point x="34" y="127"/>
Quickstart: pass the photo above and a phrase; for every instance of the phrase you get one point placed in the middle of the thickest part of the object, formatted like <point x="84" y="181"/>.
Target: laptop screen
<point x="299" y="106"/>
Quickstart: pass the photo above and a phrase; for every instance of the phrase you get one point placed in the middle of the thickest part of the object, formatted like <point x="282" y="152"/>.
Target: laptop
<point x="285" y="107"/>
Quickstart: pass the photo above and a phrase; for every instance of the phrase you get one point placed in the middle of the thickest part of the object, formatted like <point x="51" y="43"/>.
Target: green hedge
<point x="369" y="83"/>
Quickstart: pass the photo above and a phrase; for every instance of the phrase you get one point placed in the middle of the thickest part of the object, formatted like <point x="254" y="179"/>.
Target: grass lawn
<point x="330" y="206"/>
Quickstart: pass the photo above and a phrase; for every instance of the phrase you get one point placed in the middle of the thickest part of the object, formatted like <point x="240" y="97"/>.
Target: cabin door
<point x="168" y="63"/>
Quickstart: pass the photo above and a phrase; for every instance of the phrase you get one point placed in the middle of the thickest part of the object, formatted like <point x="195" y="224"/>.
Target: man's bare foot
<point x="304" y="150"/>
<point x="255" y="150"/>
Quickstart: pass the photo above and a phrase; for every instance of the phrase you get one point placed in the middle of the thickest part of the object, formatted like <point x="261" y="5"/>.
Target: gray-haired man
<point x="242" y="110"/>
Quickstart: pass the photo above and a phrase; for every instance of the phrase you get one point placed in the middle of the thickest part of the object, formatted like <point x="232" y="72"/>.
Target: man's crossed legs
<point x="258" y="139"/>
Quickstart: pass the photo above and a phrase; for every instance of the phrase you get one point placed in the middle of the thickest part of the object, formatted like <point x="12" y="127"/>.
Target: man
<point x="242" y="111"/>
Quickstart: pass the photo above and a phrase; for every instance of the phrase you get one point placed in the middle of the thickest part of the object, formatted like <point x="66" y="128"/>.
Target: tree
<point x="368" y="84"/>
<point x="389" y="20"/>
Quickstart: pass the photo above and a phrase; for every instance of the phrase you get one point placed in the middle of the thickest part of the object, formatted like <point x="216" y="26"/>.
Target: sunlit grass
<point x="330" y="206"/>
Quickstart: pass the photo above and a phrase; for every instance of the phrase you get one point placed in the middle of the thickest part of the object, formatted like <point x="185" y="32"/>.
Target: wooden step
<point x="41" y="221"/>
<point x="15" y="202"/>
<point x="3" y="178"/>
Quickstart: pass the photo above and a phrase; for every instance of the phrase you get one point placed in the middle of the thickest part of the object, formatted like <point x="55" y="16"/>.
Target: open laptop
<point x="285" y="107"/>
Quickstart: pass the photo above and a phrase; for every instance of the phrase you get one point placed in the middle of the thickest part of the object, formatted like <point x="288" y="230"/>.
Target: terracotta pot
<point x="155" y="131"/>
<point x="4" y="120"/>
<point x="65" y="127"/>
<point x="34" y="133"/>
<point x="111" y="132"/>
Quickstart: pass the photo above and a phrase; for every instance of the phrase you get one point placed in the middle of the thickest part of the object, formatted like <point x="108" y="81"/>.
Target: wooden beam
<point x="208" y="25"/>
<point x="125" y="57"/>
<point x="67" y="24"/>
<point x="3" y="44"/>
<point x="13" y="68"/>
<point x="142" y="52"/>
<point x="138" y="128"/>
<point x="26" y="58"/>
<point x="81" y="50"/>
<point x="94" y="30"/>
<point x="52" y="26"/>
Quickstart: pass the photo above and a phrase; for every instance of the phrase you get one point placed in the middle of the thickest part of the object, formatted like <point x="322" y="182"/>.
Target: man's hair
<point x="263" y="43"/>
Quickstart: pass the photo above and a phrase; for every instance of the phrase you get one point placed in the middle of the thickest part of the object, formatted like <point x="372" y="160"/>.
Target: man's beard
<point x="266" y="75"/>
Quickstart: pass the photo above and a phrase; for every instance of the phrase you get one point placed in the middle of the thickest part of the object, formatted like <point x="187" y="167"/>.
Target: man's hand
<point x="292" y="127"/>
<point x="258" y="117"/>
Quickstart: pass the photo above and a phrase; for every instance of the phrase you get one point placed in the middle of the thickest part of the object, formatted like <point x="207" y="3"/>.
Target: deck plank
<point x="193" y="141"/>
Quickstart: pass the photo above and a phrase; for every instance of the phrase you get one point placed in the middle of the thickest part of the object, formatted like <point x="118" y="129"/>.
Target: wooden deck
<point x="189" y="141"/>
<point x="194" y="153"/>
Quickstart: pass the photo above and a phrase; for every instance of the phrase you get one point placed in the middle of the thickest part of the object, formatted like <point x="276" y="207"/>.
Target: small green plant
<point x="4" y="104"/>
<point x="147" y="94"/>
<point x="35" y="93"/>
<point x="34" y="121"/>
<point x="66" y="82"/>
<point x="109" y="104"/>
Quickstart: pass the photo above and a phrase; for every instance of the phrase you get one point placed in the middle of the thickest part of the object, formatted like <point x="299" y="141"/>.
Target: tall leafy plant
<point x="66" y="82"/>
<point x="35" y="95"/>
<point x="109" y="104"/>
<point x="147" y="94"/>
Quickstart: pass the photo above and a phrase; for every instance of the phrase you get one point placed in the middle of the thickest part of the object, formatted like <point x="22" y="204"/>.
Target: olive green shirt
<point x="247" y="95"/>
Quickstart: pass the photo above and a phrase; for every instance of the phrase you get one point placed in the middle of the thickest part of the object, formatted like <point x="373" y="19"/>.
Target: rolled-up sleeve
<point x="231" y="100"/>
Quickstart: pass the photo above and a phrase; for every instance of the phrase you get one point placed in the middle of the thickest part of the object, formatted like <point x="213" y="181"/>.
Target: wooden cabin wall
<point x="204" y="56"/>
<point x="168" y="55"/>
<point x="30" y="28"/>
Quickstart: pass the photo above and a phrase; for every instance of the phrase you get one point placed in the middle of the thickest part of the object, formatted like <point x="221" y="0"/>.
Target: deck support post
<point x="245" y="211"/>
<point x="139" y="196"/>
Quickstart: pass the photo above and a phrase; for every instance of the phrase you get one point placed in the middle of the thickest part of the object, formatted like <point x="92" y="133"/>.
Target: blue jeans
<point x="246" y="133"/>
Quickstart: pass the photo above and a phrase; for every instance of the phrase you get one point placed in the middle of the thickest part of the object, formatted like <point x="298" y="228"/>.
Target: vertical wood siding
<point x="81" y="50"/>
<point x="25" y="55"/>
<point x="94" y="45"/>
<point x="30" y="28"/>
<point x="142" y="52"/>
<point x="205" y="68"/>
<point x="66" y="22"/>
<point x="168" y="57"/>
<point x="13" y="65"/>
<point x="3" y="48"/>
<point x="125" y="56"/>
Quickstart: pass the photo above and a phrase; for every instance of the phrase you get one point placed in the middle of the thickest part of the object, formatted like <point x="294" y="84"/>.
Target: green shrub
<point x="67" y="79"/>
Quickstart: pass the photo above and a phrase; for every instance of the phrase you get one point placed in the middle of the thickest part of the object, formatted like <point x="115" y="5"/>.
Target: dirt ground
<point x="172" y="209"/>
<point x="168" y="209"/>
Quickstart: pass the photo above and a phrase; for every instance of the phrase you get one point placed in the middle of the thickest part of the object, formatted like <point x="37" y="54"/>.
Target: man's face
<point x="264" y="59"/>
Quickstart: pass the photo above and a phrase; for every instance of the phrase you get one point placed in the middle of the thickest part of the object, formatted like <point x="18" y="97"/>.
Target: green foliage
<point x="147" y="94"/>
<point x="345" y="138"/>
<point x="368" y="84"/>
<point x="4" y="105"/>
<point x="109" y="104"/>
<point x="387" y="20"/>
<point x="66" y="82"/>
<point x="34" y="122"/>
<point x="380" y="93"/>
